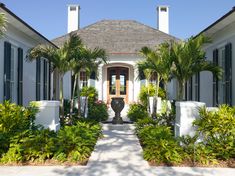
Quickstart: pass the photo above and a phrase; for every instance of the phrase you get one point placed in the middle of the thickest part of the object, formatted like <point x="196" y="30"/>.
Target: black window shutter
<point x="20" y="77"/>
<point x="49" y="81"/>
<point x="7" y="71"/>
<point x="38" y="79"/>
<point x="190" y="86"/>
<point x="93" y="75"/>
<point x="45" y="79"/>
<point x="215" y="80"/>
<point x="198" y="86"/>
<point x="228" y="74"/>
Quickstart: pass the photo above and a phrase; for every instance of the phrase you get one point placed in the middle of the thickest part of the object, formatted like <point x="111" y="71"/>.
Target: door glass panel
<point x="112" y="84"/>
<point x="122" y="84"/>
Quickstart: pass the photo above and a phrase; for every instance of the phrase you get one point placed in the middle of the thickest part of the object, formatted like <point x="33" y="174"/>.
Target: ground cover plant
<point x="24" y="143"/>
<point x="212" y="145"/>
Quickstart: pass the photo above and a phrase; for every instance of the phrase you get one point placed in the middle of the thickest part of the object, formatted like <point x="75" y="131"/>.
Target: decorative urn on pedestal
<point x="117" y="105"/>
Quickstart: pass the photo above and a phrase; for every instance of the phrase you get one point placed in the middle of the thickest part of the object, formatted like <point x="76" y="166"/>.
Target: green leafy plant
<point x="159" y="145"/>
<point x="150" y="91"/>
<point x="90" y="92"/>
<point x="98" y="111"/>
<point x="137" y="111"/>
<point x="14" y="119"/>
<point x="217" y="130"/>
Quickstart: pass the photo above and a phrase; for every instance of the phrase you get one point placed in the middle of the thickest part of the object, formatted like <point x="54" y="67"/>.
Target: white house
<point x="203" y="87"/>
<point x="122" y="39"/>
<point x="21" y="81"/>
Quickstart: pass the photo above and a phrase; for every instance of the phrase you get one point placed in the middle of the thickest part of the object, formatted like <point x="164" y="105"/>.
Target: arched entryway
<point x="117" y="83"/>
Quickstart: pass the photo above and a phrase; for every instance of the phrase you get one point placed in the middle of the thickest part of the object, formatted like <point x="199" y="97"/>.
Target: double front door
<point x="118" y="79"/>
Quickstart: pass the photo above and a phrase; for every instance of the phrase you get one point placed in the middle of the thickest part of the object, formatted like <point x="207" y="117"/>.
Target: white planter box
<point x="48" y="115"/>
<point x="83" y="101"/>
<point x="186" y="113"/>
<point x="159" y="104"/>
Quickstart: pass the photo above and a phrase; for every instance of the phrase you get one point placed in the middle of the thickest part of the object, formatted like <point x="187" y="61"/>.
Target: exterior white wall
<point x="221" y="38"/>
<point x="73" y="17"/>
<point x="163" y="18"/>
<point x="19" y="39"/>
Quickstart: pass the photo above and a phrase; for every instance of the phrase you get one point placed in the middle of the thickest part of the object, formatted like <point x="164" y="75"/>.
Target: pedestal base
<point x="117" y="120"/>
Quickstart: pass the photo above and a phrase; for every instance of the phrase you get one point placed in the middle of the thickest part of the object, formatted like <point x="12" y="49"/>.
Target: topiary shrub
<point x="98" y="111"/>
<point x="149" y="91"/>
<point x="137" y="111"/>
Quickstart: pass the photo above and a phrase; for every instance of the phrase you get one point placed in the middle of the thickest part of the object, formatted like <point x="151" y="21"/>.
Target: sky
<point x="187" y="17"/>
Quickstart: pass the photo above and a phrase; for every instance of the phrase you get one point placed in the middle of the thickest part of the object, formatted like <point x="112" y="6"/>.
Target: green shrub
<point x="217" y="130"/>
<point x="14" y="119"/>
<point x="90" y="92"/>
<point x="149" y="91"/>
<point x="137" y="111"/>
<point x="30" y="146"/>
<point x="159" y="145"/>
<point x="77" y="142"/>
<point x="141" y="123"/>
<point x="98" y="111"/>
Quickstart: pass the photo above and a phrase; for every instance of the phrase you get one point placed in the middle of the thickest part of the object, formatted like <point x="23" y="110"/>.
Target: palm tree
<point x="188" y="58"/>
<point x="3" y="22"/>
<point x="154" y="65"/>
<point x="60" y="59"/>
<point x="84" y="59"/>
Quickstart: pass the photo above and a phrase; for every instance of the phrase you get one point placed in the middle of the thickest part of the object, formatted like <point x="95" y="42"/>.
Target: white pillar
<point x="186" y="113"/>
<point x="136" y="85"/>
<point x="99" y="82"/>
<point x="48" y="115"/>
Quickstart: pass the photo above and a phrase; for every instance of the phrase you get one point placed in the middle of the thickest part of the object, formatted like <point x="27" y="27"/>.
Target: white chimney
<point x="163" y="18"/>
<point x="73" y="17"/>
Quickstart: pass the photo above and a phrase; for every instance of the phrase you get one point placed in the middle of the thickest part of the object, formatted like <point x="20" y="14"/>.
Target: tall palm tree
<point x="60" y="59"/>
<point x="3" y="22"/>
<point x="154" y="65"/>
<point x="188" y="58"/>
<point x="85" y="59"/>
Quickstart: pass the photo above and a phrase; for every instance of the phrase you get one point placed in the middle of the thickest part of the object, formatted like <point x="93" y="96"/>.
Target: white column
<point x="186" y="113"/>
<point x="98" y="84"/>
<point x="136" y="85"/>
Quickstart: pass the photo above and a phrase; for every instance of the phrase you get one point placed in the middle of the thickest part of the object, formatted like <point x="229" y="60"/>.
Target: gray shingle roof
<point x="119" y="36"/>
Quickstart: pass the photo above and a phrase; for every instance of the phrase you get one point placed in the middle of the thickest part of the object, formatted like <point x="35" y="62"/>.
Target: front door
<point x="118" y="79"/>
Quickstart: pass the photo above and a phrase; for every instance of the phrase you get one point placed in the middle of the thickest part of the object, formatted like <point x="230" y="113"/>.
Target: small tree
<point x="156" y="64"/>
<point x="188" y="58"/>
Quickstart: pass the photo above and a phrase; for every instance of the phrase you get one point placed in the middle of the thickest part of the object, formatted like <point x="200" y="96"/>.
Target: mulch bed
<point x="187" y="163"/>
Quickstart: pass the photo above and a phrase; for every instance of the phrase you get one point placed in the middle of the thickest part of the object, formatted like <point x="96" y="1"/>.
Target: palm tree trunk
<point x="78" y="92"/>
<point x="61" y="99"/>
<point x="181" y="90"/>
<point x="155" y="102"/>
<point x="73" y="95"/>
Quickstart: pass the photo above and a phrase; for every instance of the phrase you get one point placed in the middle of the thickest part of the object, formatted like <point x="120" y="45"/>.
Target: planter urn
<point x="117" y="105"/>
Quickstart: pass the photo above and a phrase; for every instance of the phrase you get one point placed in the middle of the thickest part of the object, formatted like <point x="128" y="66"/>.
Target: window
<point x="221" y="83"/>
<point x="222" y="89"/>
<point x="13" y="75"/>
<point x="83" y="79"/>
